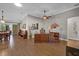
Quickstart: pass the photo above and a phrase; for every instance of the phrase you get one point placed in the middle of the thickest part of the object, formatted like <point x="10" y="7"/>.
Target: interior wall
<point x="73" y="28"/>
<point x="28" y="20"/>
<point x="61" y="19"/>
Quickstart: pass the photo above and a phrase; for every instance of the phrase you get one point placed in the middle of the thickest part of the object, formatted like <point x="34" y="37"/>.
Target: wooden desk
<point x="72" y="48"/>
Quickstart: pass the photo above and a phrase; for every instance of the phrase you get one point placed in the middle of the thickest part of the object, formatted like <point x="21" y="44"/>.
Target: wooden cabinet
<point x="41" y="38"/>
<point x="51" y="37"/>
<point x="5" y="35"/>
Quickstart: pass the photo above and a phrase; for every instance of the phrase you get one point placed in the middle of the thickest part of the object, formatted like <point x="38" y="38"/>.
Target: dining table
<point x="4" y="35"/>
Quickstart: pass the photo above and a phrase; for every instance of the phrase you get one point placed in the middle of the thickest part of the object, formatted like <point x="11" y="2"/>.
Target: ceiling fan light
<point x="2" y="21"/>
<point x="45" y="17"/>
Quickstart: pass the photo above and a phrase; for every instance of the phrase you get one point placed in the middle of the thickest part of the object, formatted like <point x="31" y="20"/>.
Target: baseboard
<point x="63" y="39"/>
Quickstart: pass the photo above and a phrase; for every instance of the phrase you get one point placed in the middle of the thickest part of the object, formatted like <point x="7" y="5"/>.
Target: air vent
<point x="76" y="4"/>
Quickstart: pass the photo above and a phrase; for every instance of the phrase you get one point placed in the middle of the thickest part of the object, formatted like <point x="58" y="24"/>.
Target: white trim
<point x="63" y="39"/>
<point x="73" y="39"/>
<point x="67" y="10"/>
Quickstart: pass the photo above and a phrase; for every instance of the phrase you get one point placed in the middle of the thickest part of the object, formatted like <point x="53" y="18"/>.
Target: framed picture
<point x="24" y="26"/>
<point x="35" y="26"/>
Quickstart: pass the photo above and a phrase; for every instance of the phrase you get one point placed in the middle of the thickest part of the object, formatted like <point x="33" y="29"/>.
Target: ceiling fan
<point x="45" y="17"/>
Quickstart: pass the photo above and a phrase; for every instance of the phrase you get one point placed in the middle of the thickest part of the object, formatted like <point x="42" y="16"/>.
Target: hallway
<point x="17" y="46"/>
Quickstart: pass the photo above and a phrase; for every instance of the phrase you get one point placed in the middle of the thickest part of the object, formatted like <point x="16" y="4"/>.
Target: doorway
<point x="16" y="28"/>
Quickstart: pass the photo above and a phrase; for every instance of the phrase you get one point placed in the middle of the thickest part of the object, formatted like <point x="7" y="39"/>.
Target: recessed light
<point x="18" y="4"/>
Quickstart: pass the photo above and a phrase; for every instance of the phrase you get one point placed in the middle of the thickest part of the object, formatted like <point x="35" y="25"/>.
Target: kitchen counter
<point x="72" y="48"/>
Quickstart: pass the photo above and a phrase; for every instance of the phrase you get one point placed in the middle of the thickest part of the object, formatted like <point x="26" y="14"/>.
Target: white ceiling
<point x="13" y="13"/>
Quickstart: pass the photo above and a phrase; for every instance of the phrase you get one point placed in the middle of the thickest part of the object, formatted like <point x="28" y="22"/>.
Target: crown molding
<point x="67" y="10"/>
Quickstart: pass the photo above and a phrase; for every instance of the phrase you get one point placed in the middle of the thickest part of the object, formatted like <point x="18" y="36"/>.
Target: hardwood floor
<point x="17" y="46"/>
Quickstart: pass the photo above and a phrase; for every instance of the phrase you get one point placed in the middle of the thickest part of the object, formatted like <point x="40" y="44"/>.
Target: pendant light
<point x="2" y="19"/>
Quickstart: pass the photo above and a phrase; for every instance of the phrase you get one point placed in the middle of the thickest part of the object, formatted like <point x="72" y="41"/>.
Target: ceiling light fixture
<point x="2" y="20"/>
<point x="44" y="16"/>
<point x="18" y="4"/>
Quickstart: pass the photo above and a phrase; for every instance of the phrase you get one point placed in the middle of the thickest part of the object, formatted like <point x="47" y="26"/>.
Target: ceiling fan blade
<point x="34" y="16"/>
<point x="49" y="16"/>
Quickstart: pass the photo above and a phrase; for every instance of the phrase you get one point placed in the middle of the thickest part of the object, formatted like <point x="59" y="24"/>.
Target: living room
<point x="36" y="31"/>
